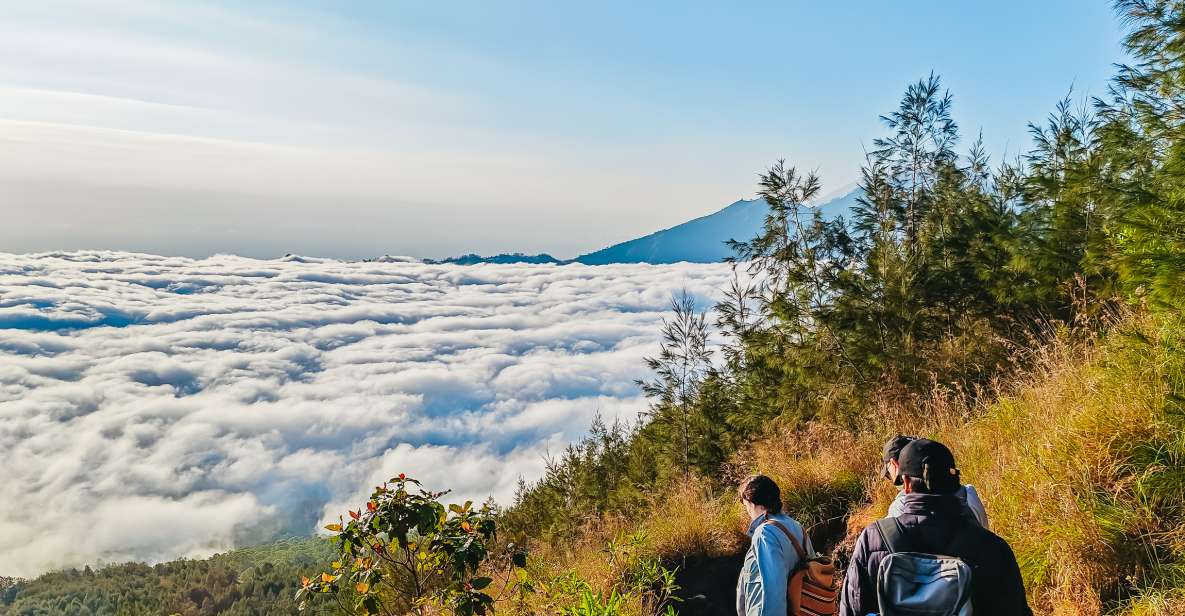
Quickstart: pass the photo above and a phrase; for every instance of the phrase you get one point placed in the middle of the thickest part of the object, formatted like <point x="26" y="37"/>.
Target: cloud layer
<point x="155" y="407"/>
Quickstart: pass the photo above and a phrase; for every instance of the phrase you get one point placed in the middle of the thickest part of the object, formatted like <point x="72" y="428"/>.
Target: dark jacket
<point x="930" y="522"/>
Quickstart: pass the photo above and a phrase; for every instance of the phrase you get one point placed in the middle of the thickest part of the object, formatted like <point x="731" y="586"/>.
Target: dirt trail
<point x="708" y="585"/>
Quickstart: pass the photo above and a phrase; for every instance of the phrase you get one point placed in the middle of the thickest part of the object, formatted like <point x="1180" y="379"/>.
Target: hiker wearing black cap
<point x="931" y="559"/>
<point x="972" y="507"/>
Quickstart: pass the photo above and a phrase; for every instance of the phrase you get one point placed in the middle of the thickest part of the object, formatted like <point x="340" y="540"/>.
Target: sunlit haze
<point x="431" y="129"/>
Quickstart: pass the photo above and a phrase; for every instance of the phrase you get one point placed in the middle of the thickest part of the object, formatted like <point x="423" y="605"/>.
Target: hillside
<point x="256" y="581"/>
<point x="1079" y="460"/>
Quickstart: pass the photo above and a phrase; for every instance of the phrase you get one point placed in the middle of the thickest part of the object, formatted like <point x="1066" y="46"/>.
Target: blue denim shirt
<point x="761" y="589"/>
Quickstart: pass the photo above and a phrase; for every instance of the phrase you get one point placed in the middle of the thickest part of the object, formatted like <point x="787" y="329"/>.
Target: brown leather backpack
<point x="814" y="584"/>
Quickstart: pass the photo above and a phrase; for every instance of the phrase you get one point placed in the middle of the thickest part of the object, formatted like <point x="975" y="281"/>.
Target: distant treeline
<point x="258" y="581"/>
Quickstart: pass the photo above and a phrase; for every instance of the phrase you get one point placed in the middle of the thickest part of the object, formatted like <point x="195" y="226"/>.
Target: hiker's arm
<point x="1012" y="586"/>
<point x="976" y="506"/>
<point x="765" y="594"/>
<point x="859" y="591"/>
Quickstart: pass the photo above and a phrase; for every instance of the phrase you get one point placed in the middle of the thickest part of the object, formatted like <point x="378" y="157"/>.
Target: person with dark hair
<point x="972" y="507"/>
<point x="777" y="541"/>
<point x="932" y="523"/>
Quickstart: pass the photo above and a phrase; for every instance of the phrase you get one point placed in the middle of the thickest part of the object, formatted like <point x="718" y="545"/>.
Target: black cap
<point x="892" y="450"/>
<point x="895" y="445"/>
<point x="931" y="462"/>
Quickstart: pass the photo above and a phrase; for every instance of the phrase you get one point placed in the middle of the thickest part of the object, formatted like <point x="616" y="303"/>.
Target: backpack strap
<point x="793" y="540"/>
<point x="892" y="534"/>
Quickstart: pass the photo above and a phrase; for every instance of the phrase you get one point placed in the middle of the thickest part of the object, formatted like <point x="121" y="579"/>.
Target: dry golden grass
<point x="690" y="520"/>
<point x="1081" y="466"/>
<point x="822" y="470"/>
<point x="1074" y="467"/>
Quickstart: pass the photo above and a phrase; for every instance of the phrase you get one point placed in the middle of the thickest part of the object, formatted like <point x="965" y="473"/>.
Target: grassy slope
<point x="1081" y="467"/>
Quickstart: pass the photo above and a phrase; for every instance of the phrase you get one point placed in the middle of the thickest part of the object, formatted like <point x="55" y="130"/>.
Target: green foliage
<point x="247" y="582"/>
<point x="615" y="469"/>
<point x="639" y="586"/>
<point x="404" y="552"/>
<point x="940" y="284"/>
<point x="1142" y="153"/>
<point x="680" y="368"/>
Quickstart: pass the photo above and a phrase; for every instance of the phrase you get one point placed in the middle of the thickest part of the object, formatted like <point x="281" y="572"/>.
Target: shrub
<point x="629" y="581"/>
<point x="405" y="551"/>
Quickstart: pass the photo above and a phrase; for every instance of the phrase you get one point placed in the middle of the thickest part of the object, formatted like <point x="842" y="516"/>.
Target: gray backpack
<point x="915" y="584"/>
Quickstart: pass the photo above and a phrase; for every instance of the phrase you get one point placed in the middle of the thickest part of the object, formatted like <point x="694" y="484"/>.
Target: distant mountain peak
<point x="700" y="240"/>
<point x="703" y="239"/>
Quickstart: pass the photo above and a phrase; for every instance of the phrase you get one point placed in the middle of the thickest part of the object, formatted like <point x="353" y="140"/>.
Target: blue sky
<point x="357" y="129"/>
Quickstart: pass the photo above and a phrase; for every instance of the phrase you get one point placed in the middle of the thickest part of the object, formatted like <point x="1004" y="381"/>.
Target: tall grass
<point x="1083" y="473"/>
<point x="1080" y="462"/>
<point x="1082" y="469"/>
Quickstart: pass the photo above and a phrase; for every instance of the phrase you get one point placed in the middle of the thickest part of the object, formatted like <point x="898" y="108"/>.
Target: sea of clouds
<point x="157" y="407"/>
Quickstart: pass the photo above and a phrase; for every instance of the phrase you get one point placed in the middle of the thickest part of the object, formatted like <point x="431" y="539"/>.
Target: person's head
<point x="760" y="495"/>
<point x="889" y="455"/>
<point x="927" y="467"/>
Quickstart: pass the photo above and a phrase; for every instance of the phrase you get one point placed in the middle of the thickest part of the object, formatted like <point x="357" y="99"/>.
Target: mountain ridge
<point x="699" y="240"/>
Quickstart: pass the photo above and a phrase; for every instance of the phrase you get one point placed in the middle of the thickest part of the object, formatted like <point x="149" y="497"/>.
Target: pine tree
<point x="919" y="148"/>
<point x="681" y="365"/>
<point x="1142" y="154"/>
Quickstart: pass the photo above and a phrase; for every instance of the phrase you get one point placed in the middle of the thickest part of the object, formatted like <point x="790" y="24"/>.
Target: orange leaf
<point x="466" y="527"/>
<point x="334" y="527"/>
<point x="325" y="577"/>
<point x="304" y="582"/>
<point x="355" y="515"/>
<point x="370" y="506"/>
<point x="362" y="587"/>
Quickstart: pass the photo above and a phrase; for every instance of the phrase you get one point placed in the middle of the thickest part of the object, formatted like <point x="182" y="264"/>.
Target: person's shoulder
<point x="788" y="521"/>
<point x="870" y="539"/>
<point x="984" y="542"/>
<point x="983" y="535"/>
<point x="766" y="528"/>
<point x="769" y="529"/>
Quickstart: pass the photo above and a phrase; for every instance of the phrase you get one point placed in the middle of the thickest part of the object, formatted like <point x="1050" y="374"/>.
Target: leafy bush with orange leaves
<point x="406" y="552"/>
